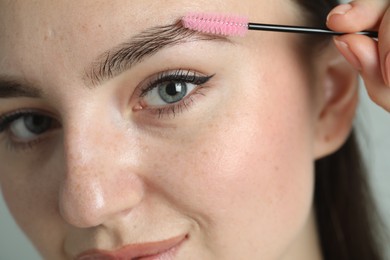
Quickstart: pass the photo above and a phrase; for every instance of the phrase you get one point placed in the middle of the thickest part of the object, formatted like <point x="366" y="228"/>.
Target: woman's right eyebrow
<point x="116" y="60"/>
<point x="13" y="88"/>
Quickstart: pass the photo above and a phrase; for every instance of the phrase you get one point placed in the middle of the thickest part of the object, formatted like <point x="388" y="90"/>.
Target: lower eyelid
<point x="17" y="146"/>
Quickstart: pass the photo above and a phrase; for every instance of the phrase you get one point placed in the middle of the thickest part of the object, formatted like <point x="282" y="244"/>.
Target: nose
<point x="101" y="181"/>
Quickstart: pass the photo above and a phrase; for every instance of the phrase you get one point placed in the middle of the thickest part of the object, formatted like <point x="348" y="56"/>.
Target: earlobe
<point x="338" y="103"/>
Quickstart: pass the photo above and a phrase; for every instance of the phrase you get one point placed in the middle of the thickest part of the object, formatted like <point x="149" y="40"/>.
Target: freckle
<point x="84" y="28"/>
<point x="327" y="138"/>
<point x="212" y="126"/>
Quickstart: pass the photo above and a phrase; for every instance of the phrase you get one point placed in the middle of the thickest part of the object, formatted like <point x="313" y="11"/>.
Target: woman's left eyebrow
<point x="122" y="57"/>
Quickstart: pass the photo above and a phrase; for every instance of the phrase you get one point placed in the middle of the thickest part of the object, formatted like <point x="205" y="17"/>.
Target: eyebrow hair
<point x="13" y="88"/>
<point x="122" y="57"/>
<point x="118" y="59"/>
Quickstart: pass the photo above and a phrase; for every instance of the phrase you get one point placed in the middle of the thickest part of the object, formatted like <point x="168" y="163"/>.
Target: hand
<point x="370" y="57"/>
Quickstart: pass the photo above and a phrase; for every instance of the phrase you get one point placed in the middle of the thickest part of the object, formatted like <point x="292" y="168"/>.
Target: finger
<point x="362" y="53"/>
<point x="384" y="46"/>
<point x="357" y="15"/>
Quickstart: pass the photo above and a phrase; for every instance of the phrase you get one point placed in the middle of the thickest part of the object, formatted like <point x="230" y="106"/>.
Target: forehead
<point x="58" y="31"/>
<point x="61" y="37"/>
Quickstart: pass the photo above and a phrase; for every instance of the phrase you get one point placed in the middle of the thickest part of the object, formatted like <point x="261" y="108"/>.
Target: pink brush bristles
<point x="216" y="24"/>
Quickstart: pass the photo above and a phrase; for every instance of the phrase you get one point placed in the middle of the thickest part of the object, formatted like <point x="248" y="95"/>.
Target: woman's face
<point x="116" y="134"/>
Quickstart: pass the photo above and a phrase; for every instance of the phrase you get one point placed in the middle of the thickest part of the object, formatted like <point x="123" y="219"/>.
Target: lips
<point x="146" y="251"/>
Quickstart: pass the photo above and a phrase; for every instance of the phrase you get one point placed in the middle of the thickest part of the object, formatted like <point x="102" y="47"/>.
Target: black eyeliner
<point x="186" y="76"/>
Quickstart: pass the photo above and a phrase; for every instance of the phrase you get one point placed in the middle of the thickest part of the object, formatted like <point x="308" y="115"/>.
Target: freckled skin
<point x="235" y="171"/>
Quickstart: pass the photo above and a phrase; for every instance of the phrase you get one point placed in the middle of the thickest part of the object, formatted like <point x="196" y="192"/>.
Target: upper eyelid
<point x="184" y="74"/>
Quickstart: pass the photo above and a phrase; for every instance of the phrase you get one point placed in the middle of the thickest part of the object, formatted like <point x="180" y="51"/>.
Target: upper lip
<point x="133" y="251"/>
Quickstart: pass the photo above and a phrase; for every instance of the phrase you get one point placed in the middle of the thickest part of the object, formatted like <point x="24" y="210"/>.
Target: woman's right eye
<point x="24" y="128"/>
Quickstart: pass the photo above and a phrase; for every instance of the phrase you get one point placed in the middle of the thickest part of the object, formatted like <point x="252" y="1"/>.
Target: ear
<point x="338" y="98"/>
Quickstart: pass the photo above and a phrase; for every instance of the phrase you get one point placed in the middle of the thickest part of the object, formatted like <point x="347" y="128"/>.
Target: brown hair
<point x="347" y="218"/>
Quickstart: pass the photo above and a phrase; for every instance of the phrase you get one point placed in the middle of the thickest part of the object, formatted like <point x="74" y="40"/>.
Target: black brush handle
<point x="302" y="29"/>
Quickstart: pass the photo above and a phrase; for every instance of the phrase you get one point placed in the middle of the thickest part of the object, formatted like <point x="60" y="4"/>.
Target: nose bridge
<point x="86" y="141"/>
<point x="95" y="171"/>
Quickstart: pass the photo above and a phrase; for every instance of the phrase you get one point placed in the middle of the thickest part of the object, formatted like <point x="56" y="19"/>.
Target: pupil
<point x="37" y="124"/>
<point x="172" y="88"/>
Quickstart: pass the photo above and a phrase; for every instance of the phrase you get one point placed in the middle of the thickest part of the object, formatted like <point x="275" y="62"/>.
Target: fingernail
<point x="341" y="9"/>
<point x="387" y="69"/>
<point x="348" y="54"/>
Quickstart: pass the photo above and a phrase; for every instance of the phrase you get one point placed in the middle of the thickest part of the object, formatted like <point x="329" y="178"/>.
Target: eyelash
<point x="184" y="76"/>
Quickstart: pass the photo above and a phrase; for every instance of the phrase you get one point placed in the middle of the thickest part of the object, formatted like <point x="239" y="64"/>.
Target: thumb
<point x="357" y="15"/>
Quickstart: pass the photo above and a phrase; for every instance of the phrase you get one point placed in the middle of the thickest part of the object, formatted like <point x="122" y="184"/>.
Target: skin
<point x="225" y="171"/>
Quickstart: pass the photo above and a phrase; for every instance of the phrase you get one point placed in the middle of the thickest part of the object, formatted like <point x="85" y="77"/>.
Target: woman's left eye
<point x="168" y="91"/>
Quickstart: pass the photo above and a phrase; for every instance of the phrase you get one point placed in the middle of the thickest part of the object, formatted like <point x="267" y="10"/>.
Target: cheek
<point x="246" y="176"/>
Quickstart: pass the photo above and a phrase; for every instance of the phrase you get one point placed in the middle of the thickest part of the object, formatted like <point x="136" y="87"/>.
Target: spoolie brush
<point x="238" y="26"/>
